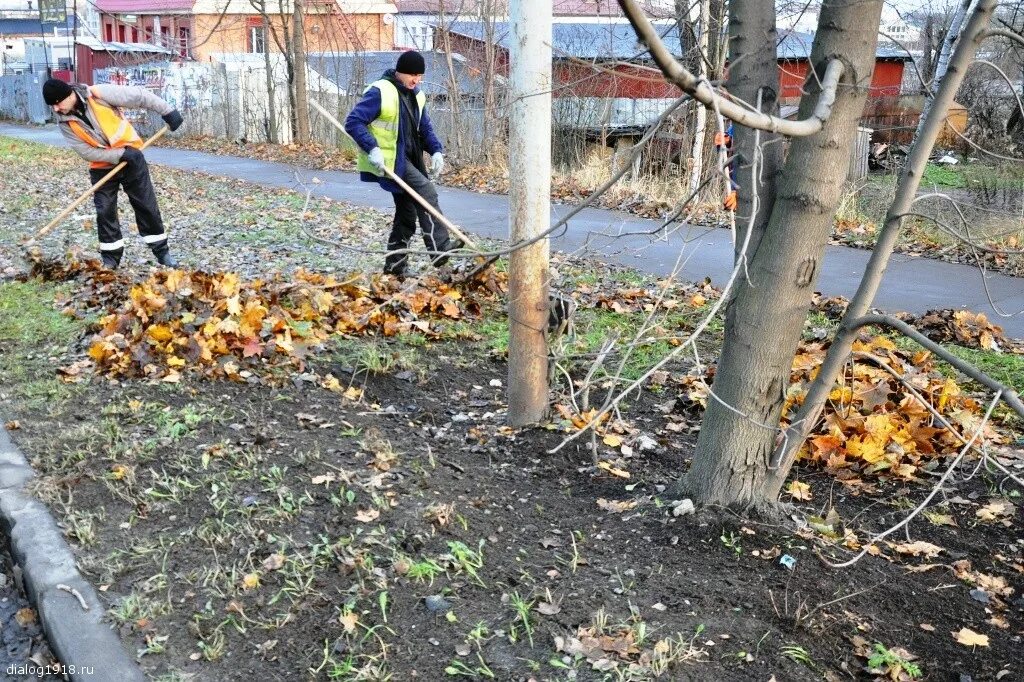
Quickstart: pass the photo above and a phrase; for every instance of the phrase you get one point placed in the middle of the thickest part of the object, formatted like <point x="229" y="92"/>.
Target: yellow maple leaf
<point x="250" y="581"/>
<point x="174" y="279"/>
<point x="160" y="333"/>
<point x="799" y="490"/>
<point x="866" y="449"/>
<point x="98" y="351"/>
<point x="229" y="284"/>
<point x="949" y="390"/>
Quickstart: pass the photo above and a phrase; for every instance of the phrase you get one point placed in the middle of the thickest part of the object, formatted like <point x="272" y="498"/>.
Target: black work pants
<point x="135" y="180"/>
<point x="407" y="212"/>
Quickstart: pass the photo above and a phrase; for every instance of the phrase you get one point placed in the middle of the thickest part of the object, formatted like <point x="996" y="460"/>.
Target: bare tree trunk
<point x="455" y="129"/>
<point x="942" y="62"/>
<point x="764" y="321"/>
<point x="927" y="63"/>
<point x="299" y="60"/>
<point x="272" y="133"/>
<point x="530" y="202"/>
<point x="754" y="76"/>
<point x="702" y="113"/>
<point x="718" y="49"/>
<point x="490" y="51"/>
<point x="910" y="180"/>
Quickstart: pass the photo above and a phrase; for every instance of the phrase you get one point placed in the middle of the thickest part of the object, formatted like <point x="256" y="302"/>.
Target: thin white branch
<point x="705" y="94"/>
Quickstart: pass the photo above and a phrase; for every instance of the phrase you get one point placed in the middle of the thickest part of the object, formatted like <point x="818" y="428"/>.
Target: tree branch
<point x="1009" y="395"/>
<point x="924" y="503"/>
<point x="1002" y="33"/>
<point x="910" y="181"/>
<point x="706" y="95"/>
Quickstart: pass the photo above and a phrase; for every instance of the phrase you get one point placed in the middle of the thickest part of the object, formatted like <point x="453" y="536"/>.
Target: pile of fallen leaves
<point x="964" y="328"/>
<point x="872" y="423"/>
<point x="222" y="326"/>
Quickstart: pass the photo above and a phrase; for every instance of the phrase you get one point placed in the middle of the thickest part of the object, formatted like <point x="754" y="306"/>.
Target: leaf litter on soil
<point x="257" y="577"/>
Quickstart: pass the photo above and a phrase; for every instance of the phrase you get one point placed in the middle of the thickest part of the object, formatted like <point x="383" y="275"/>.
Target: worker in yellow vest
<point x="391" y="126"/>
<point x="91" y="120"/>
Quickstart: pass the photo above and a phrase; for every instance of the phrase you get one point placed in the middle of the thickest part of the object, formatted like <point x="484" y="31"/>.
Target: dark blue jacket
<point x="366" y="111"/>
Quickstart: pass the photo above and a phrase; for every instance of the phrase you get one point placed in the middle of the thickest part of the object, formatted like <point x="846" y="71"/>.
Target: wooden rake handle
<point x="92" y="190"/>
<point x="402" y="183"/>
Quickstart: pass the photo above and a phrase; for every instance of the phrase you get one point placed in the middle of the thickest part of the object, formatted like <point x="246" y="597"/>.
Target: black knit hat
<point x="55" y="91"/>
<point x="411" y="62"/>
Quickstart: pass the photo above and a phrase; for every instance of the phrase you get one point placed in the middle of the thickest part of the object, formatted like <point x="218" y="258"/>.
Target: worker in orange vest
<point x="91" y="120"/>
<point x="723" y="140"/>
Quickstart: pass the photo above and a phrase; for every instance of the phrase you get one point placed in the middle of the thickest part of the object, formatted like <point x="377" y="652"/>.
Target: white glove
<point x="377" y="159"/>
<point x="436" y="163"/>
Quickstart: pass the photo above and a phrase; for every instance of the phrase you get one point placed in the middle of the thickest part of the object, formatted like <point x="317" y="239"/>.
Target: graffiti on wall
<point x="186" y="87"/>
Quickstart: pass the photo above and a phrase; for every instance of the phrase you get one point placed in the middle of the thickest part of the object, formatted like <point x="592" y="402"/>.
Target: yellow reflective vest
<point x="385" y="127"/>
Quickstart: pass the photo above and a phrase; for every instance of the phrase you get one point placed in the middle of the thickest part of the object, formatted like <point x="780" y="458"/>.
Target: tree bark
<point x="299" y="60"/>
<point x="754" y="72"/>
<point x="272" y="132"/>
<point x="942" y="62"/>
<point x="530" y="203"/>
<point x="700" y="129"/>
<point x="906" y="190"/>
<point x="764" y="320"/>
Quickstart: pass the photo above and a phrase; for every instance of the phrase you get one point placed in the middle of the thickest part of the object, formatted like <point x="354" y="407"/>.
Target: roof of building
<point x="353" y="71"/>
<point x="582" y="40"/>
<point x="32" y="27"/>
<point x="559" y="8"/>
<point x="102" y="46"/>
<point x="588" y="40"/>
<point x="138" y="6"/>
<point x="797" y="45"/>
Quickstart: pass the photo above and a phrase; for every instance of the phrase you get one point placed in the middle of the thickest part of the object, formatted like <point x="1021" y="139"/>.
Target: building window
<point x="184" y="41"/>
<point x="257" y="36"/>
<point x="110" y="32"/>
<point x="121" y="34"/>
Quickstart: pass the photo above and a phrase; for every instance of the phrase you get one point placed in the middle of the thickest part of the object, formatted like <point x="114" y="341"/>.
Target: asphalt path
<point x="911" y="284"/>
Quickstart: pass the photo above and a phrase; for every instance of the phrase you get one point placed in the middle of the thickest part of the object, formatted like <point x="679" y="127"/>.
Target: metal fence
<point x="859" y="158"/>
<point x="21" y="98"/>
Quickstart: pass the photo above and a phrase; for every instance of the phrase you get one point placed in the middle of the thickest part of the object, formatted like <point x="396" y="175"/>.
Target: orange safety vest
<point x="117" y="130"/>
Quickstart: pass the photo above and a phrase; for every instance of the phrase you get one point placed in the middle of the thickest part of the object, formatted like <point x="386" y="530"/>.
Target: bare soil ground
<point x="273" y="528"/>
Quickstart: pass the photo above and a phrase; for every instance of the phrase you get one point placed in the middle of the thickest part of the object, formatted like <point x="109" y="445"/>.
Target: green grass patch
<point x="31" y="330"/>
<point x="13" y="150"/>
<point x="1006" y="368"/>
<point x="376" y="356"/>
<point x="972" y="175"/>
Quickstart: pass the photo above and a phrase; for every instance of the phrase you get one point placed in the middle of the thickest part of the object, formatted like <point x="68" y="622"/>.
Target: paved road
<point x="911" y="284"/>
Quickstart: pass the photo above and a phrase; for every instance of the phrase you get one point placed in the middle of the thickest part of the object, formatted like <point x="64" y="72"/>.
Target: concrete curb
<point x="87" y="647"/>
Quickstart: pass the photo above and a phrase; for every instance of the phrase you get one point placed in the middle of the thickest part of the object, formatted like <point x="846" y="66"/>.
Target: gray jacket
<point x="117" y="96"/>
